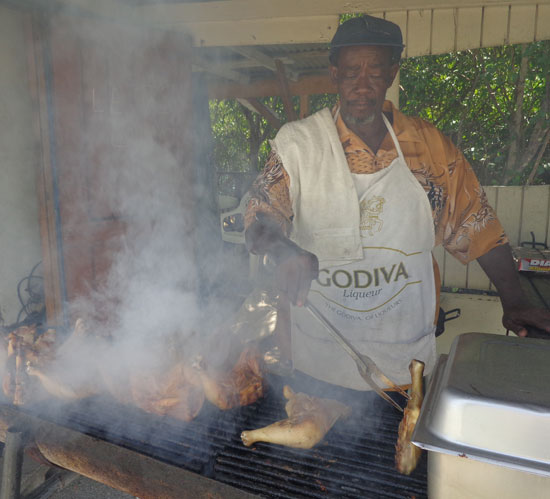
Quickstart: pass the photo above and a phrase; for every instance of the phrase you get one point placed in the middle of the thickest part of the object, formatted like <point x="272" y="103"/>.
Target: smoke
<point x="144" y="181"/>
<point x="141" y="206"/>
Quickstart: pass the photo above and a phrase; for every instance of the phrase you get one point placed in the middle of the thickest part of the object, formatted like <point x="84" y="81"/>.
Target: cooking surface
<point x="356" y="459"/>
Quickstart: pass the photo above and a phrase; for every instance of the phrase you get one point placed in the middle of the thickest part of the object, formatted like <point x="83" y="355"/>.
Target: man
<point x="364" y="194"/>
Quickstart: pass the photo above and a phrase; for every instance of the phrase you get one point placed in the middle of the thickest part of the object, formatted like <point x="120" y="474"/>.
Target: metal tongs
<point x="365" y="365"/>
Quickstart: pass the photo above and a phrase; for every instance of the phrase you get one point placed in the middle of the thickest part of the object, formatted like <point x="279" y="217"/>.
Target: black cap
<point x="367" y="30"/>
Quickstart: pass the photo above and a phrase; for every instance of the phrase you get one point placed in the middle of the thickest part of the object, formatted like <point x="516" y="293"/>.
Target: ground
<point x="84" y="488"/>
<point x="81" y="488"/>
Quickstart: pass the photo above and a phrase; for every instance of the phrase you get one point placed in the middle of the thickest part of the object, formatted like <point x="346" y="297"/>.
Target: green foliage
<point x="470" y="96"/>
<point x="230" y="132"/>
<point x="318" y="102"/>
<point x="241" y="142"/>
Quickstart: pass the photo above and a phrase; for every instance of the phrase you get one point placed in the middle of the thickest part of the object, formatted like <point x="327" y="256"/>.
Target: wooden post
<point x="285" y="91"/>
<point x="53" y="295"/>
<point x="393" y="92"/>
<point x="304" y="106"/>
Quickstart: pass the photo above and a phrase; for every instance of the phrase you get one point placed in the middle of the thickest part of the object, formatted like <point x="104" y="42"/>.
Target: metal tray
<point x="489" y="400"/>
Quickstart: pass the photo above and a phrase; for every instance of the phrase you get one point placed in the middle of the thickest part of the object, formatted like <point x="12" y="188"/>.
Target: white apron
<point x="384" y="304"/>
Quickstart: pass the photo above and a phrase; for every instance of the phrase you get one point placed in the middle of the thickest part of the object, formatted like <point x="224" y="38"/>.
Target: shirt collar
<point x="401" y="125"/>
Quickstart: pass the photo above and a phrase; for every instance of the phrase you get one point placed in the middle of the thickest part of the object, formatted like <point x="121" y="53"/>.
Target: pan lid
<point x="489" y="399"/>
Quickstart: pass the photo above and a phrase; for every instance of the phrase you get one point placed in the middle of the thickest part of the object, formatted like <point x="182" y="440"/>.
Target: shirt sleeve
<point x="270" y="194"/>
<point x="472" y="227"/>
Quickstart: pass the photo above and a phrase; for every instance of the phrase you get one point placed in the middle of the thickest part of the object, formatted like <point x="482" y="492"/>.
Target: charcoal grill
<point x="356" y="459"/>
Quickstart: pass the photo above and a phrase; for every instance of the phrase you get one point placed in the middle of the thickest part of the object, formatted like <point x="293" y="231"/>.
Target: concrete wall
<point x="19" y="230"/>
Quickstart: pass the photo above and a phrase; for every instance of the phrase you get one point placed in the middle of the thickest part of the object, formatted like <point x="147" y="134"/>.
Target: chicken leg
<point x="309" y="420"/>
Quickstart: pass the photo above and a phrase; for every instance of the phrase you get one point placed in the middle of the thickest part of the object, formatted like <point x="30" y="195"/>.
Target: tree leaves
<point x="479" y="99"/>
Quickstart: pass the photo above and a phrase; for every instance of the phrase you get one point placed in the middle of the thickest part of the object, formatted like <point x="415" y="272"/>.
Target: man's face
<point x="363" y="75"/>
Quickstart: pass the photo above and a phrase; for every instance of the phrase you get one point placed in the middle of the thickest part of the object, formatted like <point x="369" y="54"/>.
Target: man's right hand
<point x="294" y="276"/>
<point x="295" y="267"/>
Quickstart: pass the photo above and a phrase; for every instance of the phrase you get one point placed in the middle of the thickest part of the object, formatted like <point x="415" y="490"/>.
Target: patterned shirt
<point x="464" y="223"/>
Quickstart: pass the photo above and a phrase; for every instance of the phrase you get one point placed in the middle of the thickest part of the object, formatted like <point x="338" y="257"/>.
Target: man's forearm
<point x="499" y="266"/>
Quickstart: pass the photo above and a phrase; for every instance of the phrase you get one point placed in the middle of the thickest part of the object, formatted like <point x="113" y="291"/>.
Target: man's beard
<point x="353" y="121"/>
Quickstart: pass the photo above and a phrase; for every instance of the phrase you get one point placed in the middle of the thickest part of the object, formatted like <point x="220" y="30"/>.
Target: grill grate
<point x="355" y="460"/>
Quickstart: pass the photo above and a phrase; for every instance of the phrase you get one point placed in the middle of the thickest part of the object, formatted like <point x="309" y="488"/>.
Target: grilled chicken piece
<point x="177" y="393"/>
<point x="309" y="420"/>
<point x="406" y="453"/>
<point x="243" y="385"/>
<point x="85" y="365"/>
<point x="70" y="373"/>
<point x="24" y="345"/>
<point x="56" y="384"/>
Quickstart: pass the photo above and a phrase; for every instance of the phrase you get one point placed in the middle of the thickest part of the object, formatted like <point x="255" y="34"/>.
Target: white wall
<point x="19" y="229"/>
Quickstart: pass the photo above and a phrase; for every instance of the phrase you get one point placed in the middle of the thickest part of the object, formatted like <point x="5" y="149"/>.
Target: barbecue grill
<point x="356" y="459"/>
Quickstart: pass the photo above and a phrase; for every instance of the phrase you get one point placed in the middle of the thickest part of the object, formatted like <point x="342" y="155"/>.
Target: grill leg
<point x="13" y="464"/>
<point x="57" y="481"/>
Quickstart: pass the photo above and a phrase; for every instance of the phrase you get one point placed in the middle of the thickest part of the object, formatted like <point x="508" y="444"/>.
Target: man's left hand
<point x="519" y="314"/>
<point x="517" y="319"/>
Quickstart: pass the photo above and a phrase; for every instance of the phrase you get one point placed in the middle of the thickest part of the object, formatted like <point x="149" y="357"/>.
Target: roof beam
<point x="262" y="59"/>
<point x="319" y="84"/>
<point x="321" y="52"/>
<point x="245" y="63"/>
<point x="220" y="70"/>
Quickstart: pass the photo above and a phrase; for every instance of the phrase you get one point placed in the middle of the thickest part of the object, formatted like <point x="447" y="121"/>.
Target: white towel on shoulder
<point x="322" y="191"/>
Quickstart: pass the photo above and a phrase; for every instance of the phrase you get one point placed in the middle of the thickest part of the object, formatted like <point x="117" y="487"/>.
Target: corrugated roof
<point x="299" y="60"/>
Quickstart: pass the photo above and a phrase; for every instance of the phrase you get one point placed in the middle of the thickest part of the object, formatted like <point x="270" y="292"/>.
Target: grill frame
<point x="354" y="460"/>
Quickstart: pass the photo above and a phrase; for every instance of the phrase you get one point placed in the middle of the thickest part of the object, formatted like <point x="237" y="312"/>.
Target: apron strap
<point x="394" y="138"/>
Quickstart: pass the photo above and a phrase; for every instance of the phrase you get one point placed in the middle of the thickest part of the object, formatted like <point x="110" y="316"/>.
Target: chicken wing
<point x="406" y="453"/>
